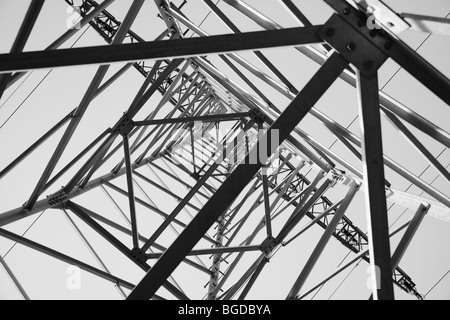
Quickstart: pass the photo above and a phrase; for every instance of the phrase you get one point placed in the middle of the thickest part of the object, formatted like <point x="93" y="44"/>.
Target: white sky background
<point x="45" y="278"/>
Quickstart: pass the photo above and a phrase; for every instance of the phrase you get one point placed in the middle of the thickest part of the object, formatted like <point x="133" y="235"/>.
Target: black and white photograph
<point x="230" y="157"/>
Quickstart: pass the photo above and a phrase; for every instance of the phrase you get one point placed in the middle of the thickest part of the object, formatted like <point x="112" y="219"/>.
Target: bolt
<point x="330" y="32"/>
<point x="351" y="46"/>
<point x="347" y="11"/>
<point x="388" y="45"/>
<point x="368" y="65"/>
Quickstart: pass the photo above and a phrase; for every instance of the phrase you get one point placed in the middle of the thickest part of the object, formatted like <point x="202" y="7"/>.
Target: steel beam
<point x="57" y="255"/>
<point x="22" y="37"/>
<point x="179" y="48"/>
<point x="323" y="242"/>
<point x="184" y="202"/>
<point x="131" y="197"/>
<point x="81" y="110"/>
<point x="253" y="279"/>
<point x="211" y="118"/>
<point x="212" y="251"/>
<point x="267" y="207"/>
<point x="92" y="250"/>
<point x="301" y="211"/>
<point x="417" y="144"/>
<point x="91" y="165"/>
<point x="295" y="11"/>
<point x="141" y="238"/>
<point x="14" y="279"/>
<point x="80" y="212"/>
<point x="67" y="35"/>
<point x="386" y="101"/>
<point x="361" y="255"/>
<point x="247" y="10"/>
<point x="148" y="206"/>
<point x="401" y="53"/>
<point x="229" y="295"/>
<point x="421" y="69"/>
<point x="375" y="192"/>
<point x="313" y="222"/>
<point x="36" y="145"/>
<point x="164" y="189"/>
<point x="258" y="54"/>
<point x="409" y="235"/>
<point x="242" y="175"/>
<point x="76" y="159"/>
<point x="81" y="24"/>
<point x="180" y="206"/>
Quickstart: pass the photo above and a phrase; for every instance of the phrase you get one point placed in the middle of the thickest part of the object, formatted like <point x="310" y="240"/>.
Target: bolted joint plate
<point x="58" y="200"/>
<point x="258" y="116"/>
<point x="124" y="126"/>
<point x="353" y="46"/>
<point x="269" y="245"/>
<point x="139" y="256"/>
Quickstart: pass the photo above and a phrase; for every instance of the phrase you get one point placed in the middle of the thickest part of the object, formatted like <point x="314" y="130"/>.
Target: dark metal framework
<point x="226" y="188"/>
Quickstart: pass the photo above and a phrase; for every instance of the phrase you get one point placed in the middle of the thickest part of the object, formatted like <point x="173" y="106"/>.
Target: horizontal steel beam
<point x="212" y="118"/>
<point x="211" y="251"/>
<point x="177" y="48"/>
<point x="23" y="36"/>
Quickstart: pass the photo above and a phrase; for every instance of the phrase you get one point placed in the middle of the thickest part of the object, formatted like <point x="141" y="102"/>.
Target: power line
<point x="26" y="99"/>
<point x="390" y="79"/>
<point x="17" y="89"/>
<point x="422" y="191"/>
<point x="24" y="234"/>
<point x="37" y="219"/>
<point x="37" y="86"/>
<point x="342" y="282"/>
<point x="437" y="283"/>
<point x="204" y="19"/>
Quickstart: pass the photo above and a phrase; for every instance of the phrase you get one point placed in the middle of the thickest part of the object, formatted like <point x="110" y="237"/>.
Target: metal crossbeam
<point x="169" y="49"/>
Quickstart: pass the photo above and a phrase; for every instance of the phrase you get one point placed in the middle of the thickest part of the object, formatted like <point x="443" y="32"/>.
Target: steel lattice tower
<point x="198" y="136"/>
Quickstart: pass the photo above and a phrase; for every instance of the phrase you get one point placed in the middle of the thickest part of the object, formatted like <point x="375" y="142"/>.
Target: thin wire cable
<point x="390" y="79"/>
<point x="17" y="89"/>
<point x="340" y="285"/>
<point x="26" y="99"/>
<point x="357" y="116"/>
<point x="436" y="284"/>
<point x="24" y="234"/>
<point x="389" y="228"/>
<point x="422" y="191"/>
<point x="204" y="19"/>
<point x="37" y="219"/>
<point x="317" y="292"/>
<point x="37" y="86"/>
